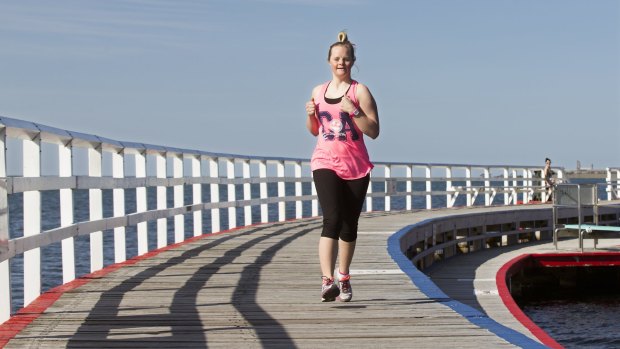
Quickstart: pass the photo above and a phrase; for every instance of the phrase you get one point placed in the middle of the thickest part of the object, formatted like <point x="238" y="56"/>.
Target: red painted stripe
<point x="505" y="271"/>
<point x="551" y="264"/>
<point x="587" y="259"/>
<point x="25" y="316"/>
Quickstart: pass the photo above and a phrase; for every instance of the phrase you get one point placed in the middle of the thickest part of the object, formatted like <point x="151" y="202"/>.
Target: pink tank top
<point x="340" y="144"/>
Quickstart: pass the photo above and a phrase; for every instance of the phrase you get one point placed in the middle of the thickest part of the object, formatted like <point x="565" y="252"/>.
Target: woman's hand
<point x="347" y="106"/>
<point x="311" y="121"/>
<point x="311" y="107"/>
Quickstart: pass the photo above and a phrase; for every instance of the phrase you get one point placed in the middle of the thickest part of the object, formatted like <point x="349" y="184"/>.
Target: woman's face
<point x="340" y="61"/>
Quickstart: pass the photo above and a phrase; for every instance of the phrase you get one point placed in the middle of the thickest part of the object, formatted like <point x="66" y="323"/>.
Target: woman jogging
<point x="340" y="112"/>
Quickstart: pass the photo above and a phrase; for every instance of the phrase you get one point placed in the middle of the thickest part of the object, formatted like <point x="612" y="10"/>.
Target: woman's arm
<point x="368" y="118"/>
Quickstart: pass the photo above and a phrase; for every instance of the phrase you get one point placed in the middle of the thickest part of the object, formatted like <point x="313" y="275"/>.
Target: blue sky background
<point x="476" y="81"/>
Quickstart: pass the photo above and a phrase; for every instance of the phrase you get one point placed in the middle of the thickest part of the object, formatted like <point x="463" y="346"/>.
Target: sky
<point x="456" y="81"/>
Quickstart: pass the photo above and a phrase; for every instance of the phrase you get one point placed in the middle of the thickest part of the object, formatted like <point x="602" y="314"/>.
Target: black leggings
<point x="341" y="202"/>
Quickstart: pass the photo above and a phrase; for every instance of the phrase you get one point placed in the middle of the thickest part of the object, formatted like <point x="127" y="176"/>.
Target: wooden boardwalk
<point x="258" y="287"/>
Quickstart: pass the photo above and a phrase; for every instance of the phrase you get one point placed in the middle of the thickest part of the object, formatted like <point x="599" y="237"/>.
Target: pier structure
<point x="235" y="289"/>
<point x="203" y="195"/>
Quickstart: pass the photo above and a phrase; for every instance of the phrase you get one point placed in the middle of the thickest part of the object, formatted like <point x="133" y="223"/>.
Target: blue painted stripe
<point x="432" y="291"/>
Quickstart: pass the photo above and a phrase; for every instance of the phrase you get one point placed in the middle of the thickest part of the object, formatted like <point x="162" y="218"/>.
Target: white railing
<point x="134" y="189"/>
<point x="440" y="238"/>
<point x="613" y="183"/>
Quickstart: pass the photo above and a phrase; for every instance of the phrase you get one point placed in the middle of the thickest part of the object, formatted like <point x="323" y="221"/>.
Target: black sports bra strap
<point x="335" y="100"/>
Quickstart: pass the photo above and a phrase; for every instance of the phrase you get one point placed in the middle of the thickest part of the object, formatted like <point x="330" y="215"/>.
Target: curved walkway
<point x="256" y="287"/>
<point x="471" y="279"/>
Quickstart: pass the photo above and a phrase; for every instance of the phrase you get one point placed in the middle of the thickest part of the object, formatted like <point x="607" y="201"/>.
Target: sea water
<point x="590" y="321"/>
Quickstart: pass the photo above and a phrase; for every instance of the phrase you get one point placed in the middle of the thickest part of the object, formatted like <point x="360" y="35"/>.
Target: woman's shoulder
<point x="317" y="89"/>
<point x="360" y="86"/>
<point x="361" y="89"/>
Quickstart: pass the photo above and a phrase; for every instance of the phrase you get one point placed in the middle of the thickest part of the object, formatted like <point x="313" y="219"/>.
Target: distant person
<point x="340" y="112"/>
<point x="547" y="175"/>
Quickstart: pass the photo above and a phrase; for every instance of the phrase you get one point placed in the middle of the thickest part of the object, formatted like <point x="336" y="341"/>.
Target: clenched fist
<point x="311" y="107"/>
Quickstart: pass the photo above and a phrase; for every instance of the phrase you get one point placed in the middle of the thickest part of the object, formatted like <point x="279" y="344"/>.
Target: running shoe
<point x="329" y="290"/>
<point x="346" y="292"/>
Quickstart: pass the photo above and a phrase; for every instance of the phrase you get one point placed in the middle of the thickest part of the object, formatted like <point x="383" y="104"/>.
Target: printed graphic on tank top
<point x="340" y="144"/>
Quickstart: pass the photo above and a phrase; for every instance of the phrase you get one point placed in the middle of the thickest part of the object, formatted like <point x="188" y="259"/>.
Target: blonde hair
<point x="343" y="40"/>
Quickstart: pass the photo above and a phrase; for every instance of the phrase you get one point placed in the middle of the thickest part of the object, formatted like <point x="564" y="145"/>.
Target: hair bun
<point x="342" y="37"/>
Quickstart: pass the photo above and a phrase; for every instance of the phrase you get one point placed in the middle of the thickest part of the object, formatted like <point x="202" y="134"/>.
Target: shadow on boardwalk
<point x="184" y="322"/>
<point x="256" y="287"/>
<point x="456" y="276"/>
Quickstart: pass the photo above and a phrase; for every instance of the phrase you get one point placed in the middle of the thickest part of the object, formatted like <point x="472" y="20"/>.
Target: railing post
<point x="264" y="208"/>
<point x="449" y="197"/>
<point x="387" y="199"/>
<point x="487" y="187"/>
<point x="162" y="199"/>
<point x="214" y="172"/>
<point x="613" y="190"/>
<point x="5" y="275"/>
<point x="609" y="184"/>
<point x="468" y="186"/>
<point x="232" y="210"/>
<point x="32" y="219"/>
<point x="196" y="194"/>
<point x="525" y="182"/>
<point x="118" y="196"/>
<point x="529" y="190"/>
<point x="429" y="188"/>
<point x="409" y="188"/>
<point x="247" y="192"/>
<point x="281" y="191"/>
<point x="95" y="199"/>
<point x="65" y="169"/>
<point x="515" y="185"/>
<point x="532" y="185"/>
<point x="141" y="228"/>
<point x="560" y="174"/>
<point x="298" y="190"/>
<point x="506" y="187"/>
<point x="179" y="220"/>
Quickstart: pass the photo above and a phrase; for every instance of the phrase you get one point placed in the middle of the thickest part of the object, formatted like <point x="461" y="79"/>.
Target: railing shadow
<point x="183" y="326"/>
